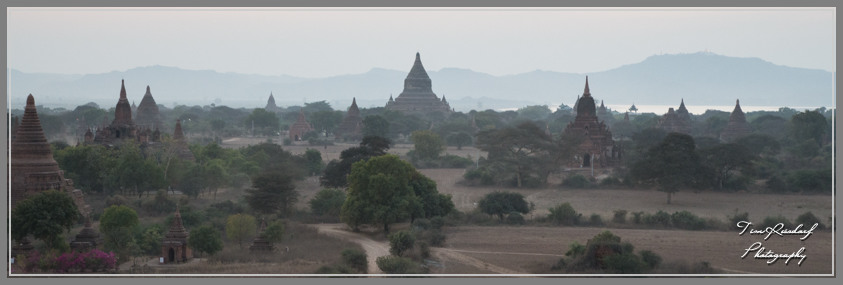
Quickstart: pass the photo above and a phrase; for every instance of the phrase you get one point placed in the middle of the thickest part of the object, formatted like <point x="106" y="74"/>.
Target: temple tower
<point x="418" y="96"/>
<point x="174" y="247"/>
<point x="300" y="127"/>
<point x="351" y="123"/>
<point x="33" y="168"/>
<point x="270" y="104"/>
<point x="597" y="145"/>
<point x="147" y="112"/>
<point x="737" y="126"/>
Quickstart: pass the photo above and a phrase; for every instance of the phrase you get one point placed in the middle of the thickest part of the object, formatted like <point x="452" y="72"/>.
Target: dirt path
<point x="374" y="249"/>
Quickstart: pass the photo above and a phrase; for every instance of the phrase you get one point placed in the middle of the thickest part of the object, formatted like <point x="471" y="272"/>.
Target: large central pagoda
<point x="418" y="96"/>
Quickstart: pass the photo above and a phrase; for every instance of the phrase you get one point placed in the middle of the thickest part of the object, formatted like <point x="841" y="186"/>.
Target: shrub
<point x="437" y="222"/>
<point x="595" y="220"/>
<point x="116" y="200"/>
<point x="576" y="181"/>
<point x="659" y="218"/>
<point x="650" y="258"/>
<point x="575" y="250"/>
<point x="479" y="176"/>
<point x="337" y="269"/>
<point x="436" y="238"/>
<point x="399" y="265"/>
<point x="355" y="259"/>
<point x="611" y="181"/>
<point x="160" y="204"/>
<point x="400" y="242"/>
<point x="422" y="224"/>
<point x="733" y="220"/>
<point x="563" y="214"/>
<point x="288" y="141"/>
<point x="773" y="221"/>
<point x="453" y="161"/>
<point x="328" y="202"/>
<point x="808" y="220"/>
<point x="515" y="218"/>
<point x="687" y="220"/>
<point x="637" y="217"/>
<point x="619" y="217"/>
<point x="424" y="249"/>
<point x="776" y="184"/>
<point x="624" y="263"/>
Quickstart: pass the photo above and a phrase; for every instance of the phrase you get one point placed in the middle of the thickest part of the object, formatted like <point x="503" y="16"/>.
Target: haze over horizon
<point x="318" y="43"/>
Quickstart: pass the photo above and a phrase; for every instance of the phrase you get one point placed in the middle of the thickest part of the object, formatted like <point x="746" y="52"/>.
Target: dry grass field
<point x="534" y="249"/>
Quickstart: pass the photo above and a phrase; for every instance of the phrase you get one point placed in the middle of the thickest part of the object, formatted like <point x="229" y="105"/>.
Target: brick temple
<point x="418" y="96"/>
<point x="597" y="145"/>
<point x="300" y="127"/>
<point x="737" y="126"/>
<point x="147" y="112"/>
<point x="123" y="128"/>
<point x="174" y="246"/>
<point x="351" y="126"/>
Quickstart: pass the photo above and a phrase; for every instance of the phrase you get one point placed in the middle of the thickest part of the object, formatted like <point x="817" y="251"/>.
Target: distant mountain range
<point x="699" y="78"/>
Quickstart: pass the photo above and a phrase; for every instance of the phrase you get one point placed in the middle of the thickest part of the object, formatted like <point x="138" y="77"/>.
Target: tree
<point x="325" y="121"/>
<point x="318" y="106"/>
<point x="724" y="160"/>
<point x="328" y="202"/>
<point x="263" y="121"/>
<point x="215" y="175"/>
<point x="808" y="125"/>
<point x="116" y="225"/>
<point x="534" y="113"/>
<point x="459" y="139"/>
<point x="671" y="165"/>
<point x="433" y="203"/>
<point x="379" y="192"/>
<point x="205" y="239"/>
<point x="44" y="216"/>
<point x="427" y="144"/>
<point x="240" y="227"/>
<point x="355" y="259"/>
<point x="400" y="242"/>
<point x="501" y="203"/>
<point x="336" y="171"/>
<point x="274" y="233"/>
<point x="314" y="161"/>
<point x="524" y="148"/>
<point x="272" y="192"/>
<point x="87" y="165"/>
<point x="374" y="125"/>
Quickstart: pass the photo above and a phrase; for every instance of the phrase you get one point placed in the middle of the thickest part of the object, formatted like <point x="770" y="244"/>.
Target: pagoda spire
<point x="123" y="89"/>
<point x="587" y="92"/>
<point x="177" y="133"/>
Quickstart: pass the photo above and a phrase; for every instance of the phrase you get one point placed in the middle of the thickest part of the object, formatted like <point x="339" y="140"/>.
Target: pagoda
<point x="147" y="112"/>
<point x="174" y="247"/>
<point x="123" y="128"/>
<point x="351" y="123"/>
<point x="270" y="104"/>
<point x="260" y="243"/>
<point x="418" y="96"/>
<point x="737" y="126"/>
<point x="673" y="123"/>
<point x="300" y="127"/>
<point x="182" y="151"/>
<point x="597" y="145"/>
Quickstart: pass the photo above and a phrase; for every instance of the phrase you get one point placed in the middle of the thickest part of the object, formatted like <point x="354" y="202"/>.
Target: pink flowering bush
<point x="93" y="261"/>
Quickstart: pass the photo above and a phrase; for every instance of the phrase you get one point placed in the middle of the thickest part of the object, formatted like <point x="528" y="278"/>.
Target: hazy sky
<point x="327" y="42"/>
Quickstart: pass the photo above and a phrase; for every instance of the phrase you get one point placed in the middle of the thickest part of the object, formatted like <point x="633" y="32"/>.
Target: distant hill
<point x="699" y="78"/>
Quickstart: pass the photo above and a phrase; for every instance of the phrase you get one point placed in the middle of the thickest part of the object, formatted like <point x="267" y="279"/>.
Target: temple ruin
<point x="418" y="96"/>
<point x="351" y="126"/>
<point x="597" y="148"/>
<point x="737" y="126"/>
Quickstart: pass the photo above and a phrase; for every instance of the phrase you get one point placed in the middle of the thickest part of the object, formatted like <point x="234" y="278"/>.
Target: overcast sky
<point x="327" y="42"/>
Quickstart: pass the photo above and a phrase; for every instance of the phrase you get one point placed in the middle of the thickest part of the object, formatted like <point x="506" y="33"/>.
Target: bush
<point x="337" y="269"/>
<point x="355" y="259"/>
<point x="437" y="222"/>
<point x="453" y="161"/>
<point x="650" y="258"/>
<point x="619" y="217"/>
<point x="577" y="181"/>
<point x="659" y="218"/>
<point x="563" y="214"/>
<point x="400" y="242"/>
<point x="515" y="218"/>
<point x="773" y="221"/>
<point x="328" y="202"/>
<point x="479" y="176"/>
<point x="776" y="184"/>
<point x="116" y="200"/>
<point x="399" y="265"/>
<point x="161" y="204"/>
<point x="808" y="220"/>
<point x="436" y="238"/>
<point x="422" y="224"/>
<point x="288" y="141"/>
<point x="733" y="220"/>
<point x="611" y="181"/>
<point x="624" y="263"/>
<point x="638" y="217"/>
<point x="575" y="250"/>
<point x="595" y="220"/>
<point x="424" y="249"/>
<point x="687" y="220"/>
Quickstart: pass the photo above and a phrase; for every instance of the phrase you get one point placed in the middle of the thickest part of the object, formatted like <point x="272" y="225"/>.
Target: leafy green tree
<point x="355" y="259"/>
<point x="374" y="125"/>
<point x="379" y="192"/>
<point x="44" y="216"/>
<point x="459" y="139"/>
<point x="240" y="227"/>
<point x="671" y="165"/>
<point x="265" y="122"/>
<point x="314" y="161"/>
<point x="205" y="239"/>
<point x="724" y="160"/>
<point x="399" y="265"/>
<point x="87" y="165"/>
<point x="325" y="121"/>
<point x="524" y="148"/>
<point x="534" y="113"/>
<point x="400" y="242"/>
<point x="272" y="192"/>
<point x="216" y="174"/>
<point x="808" y="125"/>
<point x="502" y="203"/>
<point x="563" y="214"/>
<point x="427" y="144"/>
<point x="274" y="233"/>
<point x="433" y="203"/>
<point x="318" y="106"/>
<point x="116" y="225"/>
<point x="148" y="239"/>
<point x="193" y="180"/>
<point x="336" y="171"/>
<point x="328" y="202"/>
